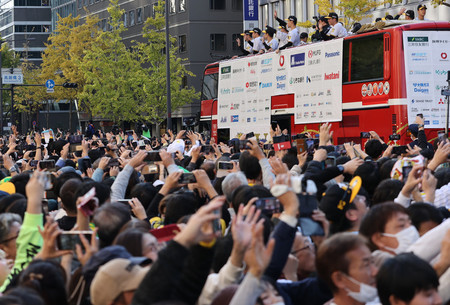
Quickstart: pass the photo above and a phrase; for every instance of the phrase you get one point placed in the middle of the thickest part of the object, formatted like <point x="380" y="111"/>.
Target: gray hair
<point x="231" y="182"/>
<point x="6" y="221"/>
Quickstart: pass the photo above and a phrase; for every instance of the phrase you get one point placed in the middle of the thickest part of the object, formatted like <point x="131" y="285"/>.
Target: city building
<point x="26" y="25"/>
<point x="62" y="9"/>
<point x="206" y="32"/>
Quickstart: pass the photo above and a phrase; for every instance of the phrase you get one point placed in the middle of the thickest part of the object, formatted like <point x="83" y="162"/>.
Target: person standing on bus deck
<point x="421" y="12"/>
<point x="282" y="33"/>
<point x="293" y="36"/>
<point x="337" y="29"/>
<point x="322" y="31"/>
<point x="303" y="38"/>
<point x="270" y="44"/>
<point x="247" y="48"/>
<point x="257" y="40"/>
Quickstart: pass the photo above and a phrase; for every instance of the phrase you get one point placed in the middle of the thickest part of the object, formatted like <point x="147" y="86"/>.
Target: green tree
<point x="152" y="55"/>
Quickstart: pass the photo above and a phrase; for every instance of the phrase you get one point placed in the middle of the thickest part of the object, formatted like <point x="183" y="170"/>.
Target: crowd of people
<point x="122" y="218"/>
<point x="328" y="27"/>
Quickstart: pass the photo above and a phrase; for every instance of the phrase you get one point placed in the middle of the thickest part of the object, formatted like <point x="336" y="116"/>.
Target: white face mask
<point x="366" y="292"/>
<point x="405" y="238"/>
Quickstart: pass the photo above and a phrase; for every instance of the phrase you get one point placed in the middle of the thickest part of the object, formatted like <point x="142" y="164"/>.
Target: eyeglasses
<point x="307" y="246"/>
<point x="9" y="239"/>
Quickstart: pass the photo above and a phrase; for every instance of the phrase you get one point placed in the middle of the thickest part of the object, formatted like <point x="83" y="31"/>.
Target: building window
<point x="80" y="4"/>
<point x="236" y="5"/>
<point x="139" y="15"/>
<point x="153" y="10"/>
<point x="182" y="47"/>
<point x="172" y="7"/>
<point x="218" y="42"/>
<point x="217" y="4"/>
<point x="234" y="43"/>
<point x="182" y="6"/>
<point x="125" y="20"/>
<point x="91" y="2"/>
<point x="184" y="82"/>
<point x="132" y="20"/>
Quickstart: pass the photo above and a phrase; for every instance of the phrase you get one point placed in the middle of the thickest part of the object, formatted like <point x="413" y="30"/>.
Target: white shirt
<point x="248" y="47"/>
<point x="294" y="37"/>
<point x="258" y="44"/>
<point x="273" y="44"/>
<point x="338" y="31"/>
<point x="282" y="38"/>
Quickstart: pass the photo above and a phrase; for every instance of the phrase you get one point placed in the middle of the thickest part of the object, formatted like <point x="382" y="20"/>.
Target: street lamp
<point x="169" y="102"/>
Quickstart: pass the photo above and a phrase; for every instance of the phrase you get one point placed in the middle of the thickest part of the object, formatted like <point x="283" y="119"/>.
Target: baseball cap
<point x="292" y="18"/>
<point x="115" y="277"/>
<point x="256" y="30"/>
<point x="8" y="187"/>
<point x="323" y="19"/>
<point x="332" y="15"/>
<point x="414" y="129"/>
<point x="336" y="200"/>
<point x="421" y="6"/>
<point x="269" y="30"/>
<point x="282" y="26"/>
<point x="304" y="35"/>
<point x="246" y="32"/>
<point x="410" y="14"/>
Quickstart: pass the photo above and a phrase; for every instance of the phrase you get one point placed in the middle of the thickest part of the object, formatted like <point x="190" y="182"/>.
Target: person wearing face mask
<point x="407" y="279"/>
<point x="345" y="263"/>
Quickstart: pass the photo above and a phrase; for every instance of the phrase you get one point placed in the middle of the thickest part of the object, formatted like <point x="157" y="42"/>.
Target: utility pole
<point x="169" y="102"/>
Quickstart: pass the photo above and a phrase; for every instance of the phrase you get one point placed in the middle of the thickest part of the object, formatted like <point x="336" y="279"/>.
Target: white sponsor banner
<point x="427" y="60"/>
<point x="315" y="76"/>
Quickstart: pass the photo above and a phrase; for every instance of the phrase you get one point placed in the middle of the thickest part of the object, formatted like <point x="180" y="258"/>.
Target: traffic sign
<point x="12" y="76"/>
<point x="50" y="85"/>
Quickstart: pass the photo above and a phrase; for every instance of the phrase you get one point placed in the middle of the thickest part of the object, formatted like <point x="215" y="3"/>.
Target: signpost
<point x="50" y="85"/>
<point x="12" y="76"/>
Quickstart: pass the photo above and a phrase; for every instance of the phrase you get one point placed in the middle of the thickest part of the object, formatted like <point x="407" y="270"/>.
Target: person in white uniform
<point x="337" y="29"/>
<point x="293" y="36"/>
<point x="257" y="40"/>
<point x="270" y="44"/>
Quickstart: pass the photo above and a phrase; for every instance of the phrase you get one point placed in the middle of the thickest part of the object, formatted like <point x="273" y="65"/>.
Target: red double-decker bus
<point x="374" y="85"/>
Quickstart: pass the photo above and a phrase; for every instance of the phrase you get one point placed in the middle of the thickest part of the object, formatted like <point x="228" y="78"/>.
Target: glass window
<point x="125" y="19"/>
<point x="218" y="42"/>
<point x="367" y="62"/>
<point x="86" y="2"/>
<point x="287" y="8"/>
<point x="210" y="84"/>
<point x="182" y="6"/>
<point x="299" y="10"/>
<point x="91" y="2"/>
<point x="139" y="15"/>
<point x="182" y="46"/>
<point x="236" y="5"/>
<point x="234" y="43"/>
<point x="265" y="15"/>
<point x="217" y="4"/>
<point x="132" y="20"/>
<point x="104" y="26"/>
<point x="172" y="7"/>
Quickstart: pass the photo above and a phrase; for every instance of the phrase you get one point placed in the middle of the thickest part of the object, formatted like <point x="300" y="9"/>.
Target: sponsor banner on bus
<point x="426" y="66"/>
<point x="315" y="76"/>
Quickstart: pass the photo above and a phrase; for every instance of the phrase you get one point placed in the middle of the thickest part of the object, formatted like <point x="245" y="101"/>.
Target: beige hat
<point x="113" y="278"/>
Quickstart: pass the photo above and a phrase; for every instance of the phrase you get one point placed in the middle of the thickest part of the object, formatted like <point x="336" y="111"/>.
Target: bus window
<point x="210" y="86"/>
<point x="367" y="60"/>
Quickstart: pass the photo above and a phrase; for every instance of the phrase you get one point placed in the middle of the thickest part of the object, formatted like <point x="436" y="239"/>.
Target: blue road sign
<point x="50" y="84"/>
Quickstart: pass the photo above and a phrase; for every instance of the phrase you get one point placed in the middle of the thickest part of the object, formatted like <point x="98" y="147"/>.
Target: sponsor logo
<point x="444" y="56"/>
<point x="280" y="78"/>
<point x="419" y="41"/>
<point x="223" y="120"/>
<point x="386" y="88"/>
<point x="440" y="72"/>
<point x="265" y="85"/>
<point x="421" y="88"/>
<point x="321" y="93"/>
<point x="312" y="53"/>
<point x="251" y="84"/>
<point x="331" y="76"/>
<point x="328" y="113"/>
<point x="281" y="61"/>
<point x="416" y="101"/>
<point x="333" y="54"/>
<point x="314" y="78"/>
<point x="234" y="107"/>
<point x="327" y="103"/>
<point x="380" y="88"/>
<point x="375" y="89"/>
<point x="427" y="122"/>
<point x="237" y="89"/>
<point x="226" y="76"/>
<point x="252" y="63"/>
<point x="435" y="122"/>
<point x="305" y="105"/>
<point x="281" y="86"/>
<point x="225" y="91"/>
<point x="369" y="90"/>
<point x="252" y="71"/>
<point x="239" y="70"/>
<point x="313" y="61"/>
<point x="435" y="109"/>
<point x="266" y="61"/>
<point x="313" y="94"/>
<point x="297" y="60"/>
<point x="364" y="90"/>
<point x="266" y="70"/>
<point x="440" y="41"/>
<point x="412" y="72"/>
<point x="297" y="80"/>
<point x="225" y="70"/>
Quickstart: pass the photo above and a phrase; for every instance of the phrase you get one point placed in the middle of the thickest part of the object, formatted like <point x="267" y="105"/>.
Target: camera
<point x="394" y="137"/>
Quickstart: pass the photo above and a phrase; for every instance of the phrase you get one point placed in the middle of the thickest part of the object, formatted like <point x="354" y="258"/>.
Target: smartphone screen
<point x="68" y="240"/>
<point x="47" y="164"/>
<point x="187" y="178"/>
<point x="310" y="227"/>
<point x="153" y="156"/>
<point x="268" y="205"/>
<point x="225" y="165"/>
<point x="365" y="134"/>
<point x="206" y="149"/>
<point x="217" y="227"/>
<point x="330" y="161"/>
<point x="302" y="146"/>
